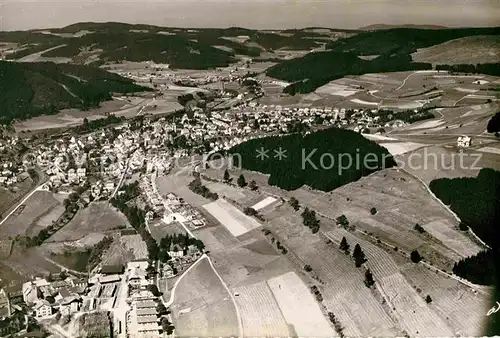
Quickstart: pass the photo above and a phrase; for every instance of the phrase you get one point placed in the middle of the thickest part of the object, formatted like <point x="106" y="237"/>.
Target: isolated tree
<point x="415" y="256"/>
<point x="294" y="203"/>
<point x="241" y="181"/>
<point x="463" y="227"/>
<point x="419" y="228"/>
<point x="227" y="177"/>
<point x="428" y="299"/>
<point x="252" y="185"/>
<point x="359" y="256"/>
<point x="344" y="246"/>
<point x="369" y="281"/>
<point x="342" y="220"/>
<point x="307" y="268"/>
<point x="373" y="211"/>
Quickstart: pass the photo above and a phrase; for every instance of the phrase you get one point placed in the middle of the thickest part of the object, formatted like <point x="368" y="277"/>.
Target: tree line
<point x="476" y="201"/>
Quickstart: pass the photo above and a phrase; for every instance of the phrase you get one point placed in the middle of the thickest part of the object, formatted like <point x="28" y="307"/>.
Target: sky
<point x="31" y="14"/>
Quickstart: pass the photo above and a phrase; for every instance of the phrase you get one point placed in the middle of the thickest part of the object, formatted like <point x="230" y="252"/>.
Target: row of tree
<point x="136" y="216"/>
<point x="197" y="187"/>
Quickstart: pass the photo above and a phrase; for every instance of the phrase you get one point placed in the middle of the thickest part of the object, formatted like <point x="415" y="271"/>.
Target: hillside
<point x="316" y="69"/>
<point x="468" y="50"/>
<point x="32" y="89"/>
<point x="319" y="160"/>
<point x="179" y="47"/>
<point x="391" y="49"/>
<point x="403" y="40"/>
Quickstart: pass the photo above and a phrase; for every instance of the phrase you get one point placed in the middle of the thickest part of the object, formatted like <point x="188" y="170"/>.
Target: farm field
<point x="36" y="213"/>
<point x="260" y="313"/>
<point x="299" y="307"/>
<point x="97" y="218"/>
<point x="399" y="199"/>
<point x="232" y="218"/>
<point x="398" y="291"/>
<point x="344" y="293"/>
<point x="462" y="309"/>
<point x="202" y="306"/>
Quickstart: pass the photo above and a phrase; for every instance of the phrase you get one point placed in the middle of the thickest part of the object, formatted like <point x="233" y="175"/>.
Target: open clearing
<point x="336" y="89"/>
<point x="299" y="306"/>
<point x="232" y="218"/>
<point x="264" y="203"/>
<point x="397" y="148"/>
<point x="98" y="217"/>
<point x="202" y="307"/>
<point x="426" y="124"/>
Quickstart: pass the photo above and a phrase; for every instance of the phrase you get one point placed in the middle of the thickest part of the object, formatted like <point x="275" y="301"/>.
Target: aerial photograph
<point x="249" y="168"/>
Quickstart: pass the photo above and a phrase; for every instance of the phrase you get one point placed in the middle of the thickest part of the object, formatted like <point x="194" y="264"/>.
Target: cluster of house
<point x="181" y="259"/>
<point x="10" y="174"/>
<point x="46" y="298"/>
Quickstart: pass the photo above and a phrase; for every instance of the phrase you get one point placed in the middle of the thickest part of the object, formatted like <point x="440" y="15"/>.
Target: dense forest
<point x="181" y="48"/>
<point x="33" y="89"/>
<point x="319" y="160"/>
<point x="477" y="202"/>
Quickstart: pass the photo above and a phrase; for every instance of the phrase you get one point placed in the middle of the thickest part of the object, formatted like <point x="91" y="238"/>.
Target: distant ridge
<point x="380" y="26"/>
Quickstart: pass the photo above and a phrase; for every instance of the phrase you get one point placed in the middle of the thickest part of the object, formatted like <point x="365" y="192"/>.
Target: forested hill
<point x="403" y="40"/>
<point x="179" y="47"/>
<point x="391" y="48"/>
<point x="320" y="160"/>
<point x="316" y="69"/>
<point x="32" y="89"/>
